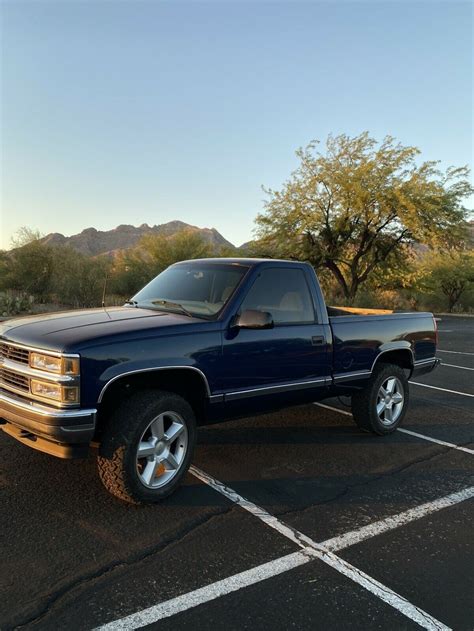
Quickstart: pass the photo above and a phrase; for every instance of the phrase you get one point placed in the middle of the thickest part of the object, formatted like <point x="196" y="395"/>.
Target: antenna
<point x="105" y="288"/>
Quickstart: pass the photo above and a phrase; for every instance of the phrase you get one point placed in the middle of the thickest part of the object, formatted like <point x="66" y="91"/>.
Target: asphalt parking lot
<point x="316" y="525"/>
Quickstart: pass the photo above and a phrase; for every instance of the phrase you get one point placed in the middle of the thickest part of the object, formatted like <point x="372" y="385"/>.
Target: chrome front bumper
<point x="65" y="433"/>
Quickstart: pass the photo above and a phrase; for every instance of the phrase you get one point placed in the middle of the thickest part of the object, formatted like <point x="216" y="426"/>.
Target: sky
<point x="144" y="112"/>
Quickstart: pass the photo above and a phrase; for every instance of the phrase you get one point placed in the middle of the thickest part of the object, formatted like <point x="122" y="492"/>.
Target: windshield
<point x="198" y="289"/>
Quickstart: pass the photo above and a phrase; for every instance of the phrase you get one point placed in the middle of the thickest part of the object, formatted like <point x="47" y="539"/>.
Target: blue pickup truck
<point x="205" y="341"/>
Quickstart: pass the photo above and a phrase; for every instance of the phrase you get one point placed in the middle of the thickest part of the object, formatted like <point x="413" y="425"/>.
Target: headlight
<point x="58" y="365"/>
<point x="64" y="394"/>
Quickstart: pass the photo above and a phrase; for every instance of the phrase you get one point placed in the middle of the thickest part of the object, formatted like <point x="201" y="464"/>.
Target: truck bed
<point x="359" y="336"/>
<point x="344" y="311"/>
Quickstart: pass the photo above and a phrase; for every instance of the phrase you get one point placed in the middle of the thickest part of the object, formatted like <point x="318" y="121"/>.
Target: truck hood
<point x="62" y="330"/>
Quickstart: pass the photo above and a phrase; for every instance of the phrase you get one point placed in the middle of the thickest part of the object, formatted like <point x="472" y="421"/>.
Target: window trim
<point x="315" y="319"/>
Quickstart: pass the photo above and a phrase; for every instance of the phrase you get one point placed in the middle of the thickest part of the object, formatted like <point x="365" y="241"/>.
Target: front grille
<point x="14" y="380"/>
<point x="14" y="353"/>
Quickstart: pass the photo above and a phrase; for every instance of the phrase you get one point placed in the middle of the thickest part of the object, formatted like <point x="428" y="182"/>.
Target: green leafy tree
<point x="4" y="269"/>
<point x="78" y="280"/>
<point x="228" y="251"/>
<point x="451" y="274"/>
<point x="153" y="254"/>
<point x="131" y="271"/>
<point x="163" y="251"/>
<point x="51" y="273"/>
<point x="356" y="208"/>
<point x="25" y="235"/>
<point x="30" y="268"/>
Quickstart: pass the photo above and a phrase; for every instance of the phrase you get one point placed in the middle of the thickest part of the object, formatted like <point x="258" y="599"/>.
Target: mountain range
<point x="92" y="242"/>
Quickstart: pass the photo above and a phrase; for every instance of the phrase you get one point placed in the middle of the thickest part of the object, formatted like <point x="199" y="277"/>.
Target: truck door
<point x="284" y="364"/>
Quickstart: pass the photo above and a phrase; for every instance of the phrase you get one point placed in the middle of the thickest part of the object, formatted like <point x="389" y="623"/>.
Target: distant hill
<point x="92" y="242"/>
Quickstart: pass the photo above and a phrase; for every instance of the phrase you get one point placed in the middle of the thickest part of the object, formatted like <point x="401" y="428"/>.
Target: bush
<point x="13" y="303"/>
<point x="446" y="281"/>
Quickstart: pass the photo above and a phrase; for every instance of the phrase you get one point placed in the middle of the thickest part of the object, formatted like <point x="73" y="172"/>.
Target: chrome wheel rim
<point x="390" y="399"/>
<point x="161" y="450"/>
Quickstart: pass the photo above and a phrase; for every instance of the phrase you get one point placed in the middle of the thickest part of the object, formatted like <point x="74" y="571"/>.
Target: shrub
<point x="13" y="303"/>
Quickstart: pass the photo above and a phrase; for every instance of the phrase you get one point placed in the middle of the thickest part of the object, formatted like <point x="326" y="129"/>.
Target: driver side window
<point x="282" y="292"/>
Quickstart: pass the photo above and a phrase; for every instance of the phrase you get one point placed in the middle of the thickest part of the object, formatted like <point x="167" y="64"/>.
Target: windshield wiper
<point x="133" y="303"/>
<point x="173" y="305"/>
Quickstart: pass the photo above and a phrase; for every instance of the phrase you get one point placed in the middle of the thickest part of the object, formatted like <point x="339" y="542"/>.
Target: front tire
<point x="381" y="406"/>
<point x="147" y="446"/>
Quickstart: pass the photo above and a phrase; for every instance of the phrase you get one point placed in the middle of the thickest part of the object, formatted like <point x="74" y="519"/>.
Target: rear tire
<point x="147" y="446"/>
<point x="381" y="406"/>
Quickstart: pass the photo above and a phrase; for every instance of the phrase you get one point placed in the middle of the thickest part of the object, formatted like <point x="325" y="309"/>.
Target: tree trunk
<point x="354" y="288"/>
<point x="336" y="272"/>
<point x="453" y="294"/>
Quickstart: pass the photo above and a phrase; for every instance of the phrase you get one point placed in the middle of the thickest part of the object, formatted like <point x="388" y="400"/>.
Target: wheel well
<point x="187" y="383"/>
<point x="400" y="357"/>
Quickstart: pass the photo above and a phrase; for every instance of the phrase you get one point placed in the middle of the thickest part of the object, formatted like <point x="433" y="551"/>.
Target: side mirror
<point x="253" y="319"/>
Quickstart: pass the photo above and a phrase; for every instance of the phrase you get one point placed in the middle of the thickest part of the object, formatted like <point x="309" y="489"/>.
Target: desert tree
<point x="360" y="205"/>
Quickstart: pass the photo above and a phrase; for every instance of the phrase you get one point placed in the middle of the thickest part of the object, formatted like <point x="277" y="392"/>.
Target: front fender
<point x="108" y="379"/>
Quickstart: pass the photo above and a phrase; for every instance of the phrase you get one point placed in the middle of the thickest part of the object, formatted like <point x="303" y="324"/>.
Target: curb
<point x="455" y="315"/>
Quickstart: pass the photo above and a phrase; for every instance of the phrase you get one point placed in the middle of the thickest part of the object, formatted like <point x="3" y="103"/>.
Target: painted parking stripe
<point x="406" y="431"/>
<point x="435" y="440"/>
<point x="210" y="592"/>
<point x="278" y="566"/>
<point x="454" y="366"/>
<point x="333" y="409"/>
<point x="310" y="550"/>
<point x="340" y="565"/>
<point x="395" y="521"/>
<point x="425" y="385"/>
<point x="270" y="520"/>
<point x="439" y="350"/>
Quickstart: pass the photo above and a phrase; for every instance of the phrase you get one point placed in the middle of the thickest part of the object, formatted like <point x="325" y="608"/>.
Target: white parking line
<point x="453" y="366"/>
<point x="310" y="552"/>
<point x="395" y="521"/>
<point x="435" y="440"/>
<point x="405" y="431"/>
<point x="439" y="350"/>
<point x="210" y="592"/>
<point x="425" y="385"/>
<point x="343" y="567"/>
<point x="290" y="533"/>
<point x="333" y="409"/>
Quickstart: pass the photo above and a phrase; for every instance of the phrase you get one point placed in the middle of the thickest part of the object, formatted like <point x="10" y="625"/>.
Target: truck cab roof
<point x="248" y="261"/>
